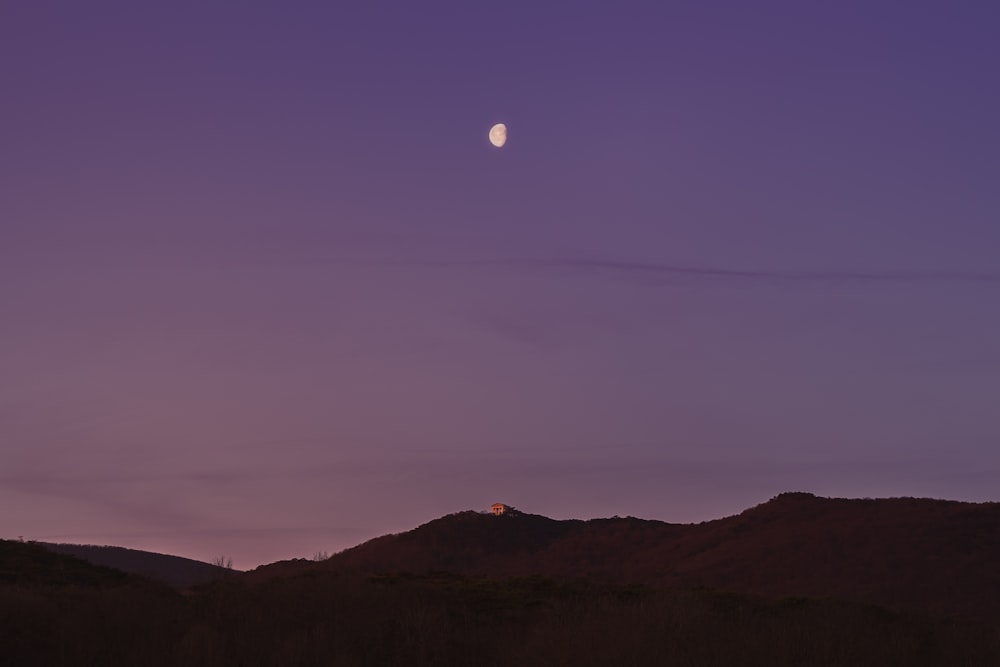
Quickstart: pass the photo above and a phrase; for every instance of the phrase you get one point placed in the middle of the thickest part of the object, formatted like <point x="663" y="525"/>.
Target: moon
<point x="498" y="135"/>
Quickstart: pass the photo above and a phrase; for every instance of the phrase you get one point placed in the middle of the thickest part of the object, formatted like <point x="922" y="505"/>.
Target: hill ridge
<point x="921" y="554"/>
<point x="176" y="571"/>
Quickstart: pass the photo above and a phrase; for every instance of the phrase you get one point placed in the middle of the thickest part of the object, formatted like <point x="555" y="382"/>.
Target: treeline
<point x="322" y="618"/>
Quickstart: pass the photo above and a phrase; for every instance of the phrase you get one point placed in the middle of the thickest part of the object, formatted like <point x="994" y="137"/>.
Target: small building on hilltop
<point x="499" y="509"/>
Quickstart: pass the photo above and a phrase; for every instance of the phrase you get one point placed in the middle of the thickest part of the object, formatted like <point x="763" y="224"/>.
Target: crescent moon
<point x="498" y="135"/>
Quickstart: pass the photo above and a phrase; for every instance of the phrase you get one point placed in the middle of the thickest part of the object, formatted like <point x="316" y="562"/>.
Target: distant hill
<point x="173" y="570"/>
<point x="917" y="554"/>
<point x="30" y="564"/>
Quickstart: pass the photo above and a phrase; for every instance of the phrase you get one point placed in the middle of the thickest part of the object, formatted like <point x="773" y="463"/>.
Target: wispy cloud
<point x="653" y="268"/>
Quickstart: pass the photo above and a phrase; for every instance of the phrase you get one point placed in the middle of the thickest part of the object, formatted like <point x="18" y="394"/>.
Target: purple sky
<point x="266" y="289"/>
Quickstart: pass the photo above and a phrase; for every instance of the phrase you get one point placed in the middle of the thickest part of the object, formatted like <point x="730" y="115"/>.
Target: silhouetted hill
<point x="907" y="553"/>
<point x="173" y="570"/>
<point x="30" y="564"/>
<point x="57" y="609"/>
<point x="930" y="555"/>
<point x="608" y="592"/>
<point x="463" y="542"/>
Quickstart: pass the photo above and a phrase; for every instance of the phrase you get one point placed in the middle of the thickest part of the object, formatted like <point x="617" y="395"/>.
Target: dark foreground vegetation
<point x="56" y="610"/>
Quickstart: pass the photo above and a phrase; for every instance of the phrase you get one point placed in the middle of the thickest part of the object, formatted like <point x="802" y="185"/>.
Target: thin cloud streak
<point x="605" y="265"/>
<point x="712" y="272"/>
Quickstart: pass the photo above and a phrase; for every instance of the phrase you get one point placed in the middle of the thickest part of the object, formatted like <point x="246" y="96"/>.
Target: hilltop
<point x="924" y="555"/>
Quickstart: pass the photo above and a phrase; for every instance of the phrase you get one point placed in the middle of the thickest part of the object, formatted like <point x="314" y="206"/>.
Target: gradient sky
<point x="267" y="290"/>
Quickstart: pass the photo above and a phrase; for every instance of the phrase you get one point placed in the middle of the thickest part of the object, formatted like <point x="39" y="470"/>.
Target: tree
<point x="223" y="561"/>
